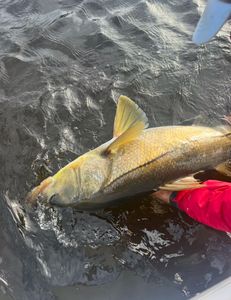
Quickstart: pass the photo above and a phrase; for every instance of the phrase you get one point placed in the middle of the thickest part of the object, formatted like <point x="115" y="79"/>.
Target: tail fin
<point x="215" y="15"/>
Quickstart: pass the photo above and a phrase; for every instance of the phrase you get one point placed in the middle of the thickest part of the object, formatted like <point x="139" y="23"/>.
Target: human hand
<point x="163" y="195"/>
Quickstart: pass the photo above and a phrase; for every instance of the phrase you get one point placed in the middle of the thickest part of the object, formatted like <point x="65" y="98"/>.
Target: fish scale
<point x="148" y="147"/>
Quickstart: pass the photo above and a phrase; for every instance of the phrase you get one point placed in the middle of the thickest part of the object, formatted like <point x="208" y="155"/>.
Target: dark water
<point x="63" y="65"/>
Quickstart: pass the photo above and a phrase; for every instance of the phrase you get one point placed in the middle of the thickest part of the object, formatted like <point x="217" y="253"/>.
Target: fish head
<point x="75" y="184"/>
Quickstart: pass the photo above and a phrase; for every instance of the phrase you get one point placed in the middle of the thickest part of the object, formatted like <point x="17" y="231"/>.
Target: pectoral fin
<point x="130" y="121"/>
<point x="182" y="184"/>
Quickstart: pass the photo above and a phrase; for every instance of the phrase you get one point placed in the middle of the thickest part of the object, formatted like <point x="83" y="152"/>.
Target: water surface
<point x="63" y="65"/>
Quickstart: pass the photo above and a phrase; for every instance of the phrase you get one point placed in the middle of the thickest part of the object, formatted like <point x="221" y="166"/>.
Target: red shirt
<point x="210" y="205"/>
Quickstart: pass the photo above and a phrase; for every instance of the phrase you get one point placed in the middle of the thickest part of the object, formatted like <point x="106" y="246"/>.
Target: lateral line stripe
<point x="141" y="166"/>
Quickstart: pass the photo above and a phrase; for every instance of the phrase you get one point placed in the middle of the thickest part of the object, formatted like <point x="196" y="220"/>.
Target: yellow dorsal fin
<point x="128" y="114"/>
<point x="182" y="184"/>
<point x="130" y="121"/>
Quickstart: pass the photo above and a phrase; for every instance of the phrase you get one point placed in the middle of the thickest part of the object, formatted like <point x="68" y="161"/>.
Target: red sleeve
<point x="210" y="205"/>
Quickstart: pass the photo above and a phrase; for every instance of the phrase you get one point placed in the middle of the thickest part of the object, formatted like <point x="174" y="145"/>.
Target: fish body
<point x="135" y="161"/>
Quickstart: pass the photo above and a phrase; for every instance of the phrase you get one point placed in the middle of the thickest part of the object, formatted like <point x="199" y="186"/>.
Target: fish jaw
<point x="38" y="191"/>
<point x="63" y="186"/>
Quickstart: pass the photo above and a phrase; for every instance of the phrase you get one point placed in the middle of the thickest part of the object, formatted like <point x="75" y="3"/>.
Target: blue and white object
<point x="216" y="13"/>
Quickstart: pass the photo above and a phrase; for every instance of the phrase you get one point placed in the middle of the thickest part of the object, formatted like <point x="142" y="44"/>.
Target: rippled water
<point x="63" y="65"/>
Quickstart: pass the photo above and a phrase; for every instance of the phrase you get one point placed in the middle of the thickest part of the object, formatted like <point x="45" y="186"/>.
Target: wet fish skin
<point x="173" y="152"/>
<point x="135" y="161"/>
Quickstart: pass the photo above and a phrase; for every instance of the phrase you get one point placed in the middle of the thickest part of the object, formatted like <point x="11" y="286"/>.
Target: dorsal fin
<point x="130" y="121"/>
<point x="127" y="115"/>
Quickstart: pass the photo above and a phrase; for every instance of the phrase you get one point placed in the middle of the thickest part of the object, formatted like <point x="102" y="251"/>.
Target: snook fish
<point x="136" y="160"/>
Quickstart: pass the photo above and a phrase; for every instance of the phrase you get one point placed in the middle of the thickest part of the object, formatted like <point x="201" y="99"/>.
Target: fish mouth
<point x="60" y="200"/>
<point x="56" y="200"/>
<point x="38" y="193"/>
<point x="38" y="197"/>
